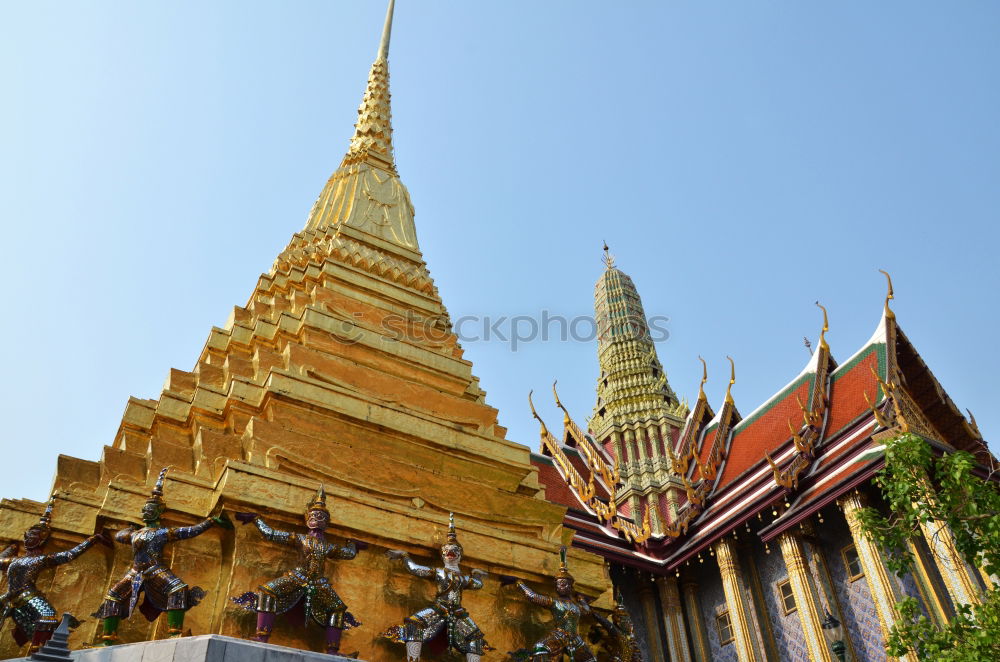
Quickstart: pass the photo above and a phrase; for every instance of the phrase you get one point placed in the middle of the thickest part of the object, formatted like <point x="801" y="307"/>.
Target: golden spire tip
<point x="383" y="47"/>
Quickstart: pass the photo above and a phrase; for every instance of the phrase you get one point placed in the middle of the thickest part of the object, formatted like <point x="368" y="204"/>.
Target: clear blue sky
<point x="741" y="159"/>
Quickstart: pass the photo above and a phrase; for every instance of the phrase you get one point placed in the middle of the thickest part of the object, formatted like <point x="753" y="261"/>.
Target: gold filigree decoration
<point x="609" y="473"/>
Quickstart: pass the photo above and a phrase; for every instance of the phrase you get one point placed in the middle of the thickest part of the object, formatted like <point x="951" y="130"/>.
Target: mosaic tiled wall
<point x="787" y="629"/>
<point x="713" y="600"/>
<point x="856" y="605"/>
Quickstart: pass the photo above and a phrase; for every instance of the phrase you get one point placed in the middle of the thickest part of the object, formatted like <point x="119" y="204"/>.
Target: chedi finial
<point x="383" y="47"/>
<point x="608" y="259"/>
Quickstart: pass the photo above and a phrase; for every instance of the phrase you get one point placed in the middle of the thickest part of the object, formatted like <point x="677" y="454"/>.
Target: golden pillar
<point x="698" y="634"/>
<point x="882" y="589"/>
<point x="648" y="600"/>
<point x="933" y="597"/>
<point x="956" y="573"/>
<point x="725" y="553"/>
<point x="806" y="600"/>
<point x="673" y="619"/>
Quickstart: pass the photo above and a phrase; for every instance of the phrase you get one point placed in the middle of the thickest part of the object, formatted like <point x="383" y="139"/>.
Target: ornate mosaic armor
<point x="34" y="616"/>
<point x="23" y="602"/>
<point x="164" y="590"/>
<point x="445" y="617"/>
<point x="567" y="609"/>
<point x="305" y="582"/>
<point x="565" y="636"/>
<point x="618" y="635"/>
<point x="463" y="634"/>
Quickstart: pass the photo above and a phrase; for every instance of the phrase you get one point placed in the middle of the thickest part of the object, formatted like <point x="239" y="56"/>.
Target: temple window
<point x="852" y="563"/>
<point x="725" y="627"/>
<point x="786" y="597"/>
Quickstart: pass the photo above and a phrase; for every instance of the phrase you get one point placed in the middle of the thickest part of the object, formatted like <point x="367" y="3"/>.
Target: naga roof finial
<point x="559" y="403"/>
<point x="534" y="413"/>
<point x="826" y="327"/>
<point x="704" y="378"/>
<point x="732" y="380"/>
<point x="889" y="296"/>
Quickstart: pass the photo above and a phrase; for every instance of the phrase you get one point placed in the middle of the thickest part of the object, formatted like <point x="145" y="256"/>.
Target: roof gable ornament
<point x="732" y="380"/>
<point x="889" y="296"/>
<point x="704" y="378"/>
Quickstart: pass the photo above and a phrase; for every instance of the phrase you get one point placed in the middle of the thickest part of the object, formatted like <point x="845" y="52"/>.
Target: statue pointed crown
<point x="563" y="567"/>
<point x="452" y="537"/>
<point x="319" y="501"/>
<point x="45" y="521"/>
<point x="156" y="496"/>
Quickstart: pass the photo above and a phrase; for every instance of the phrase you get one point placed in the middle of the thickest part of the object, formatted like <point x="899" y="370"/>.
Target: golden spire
<point x="704" y="379"/>
<point x="732" y="380"/>
<point x="365" y="192"/>
<point x="372" y="139"/>
<point x="383" y="47"/>
<point x="826" y="327"/>
<point x="888" y="297"/>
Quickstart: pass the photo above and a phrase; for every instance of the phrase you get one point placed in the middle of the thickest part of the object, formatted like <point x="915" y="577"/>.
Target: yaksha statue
<point x="567" y="609"/>
<point x="306" y="583"/>
<point x="446" y="617"/>
<point x="164" y="590"/>
<point x="618" y="635"/>
<point x="34" y="616"/>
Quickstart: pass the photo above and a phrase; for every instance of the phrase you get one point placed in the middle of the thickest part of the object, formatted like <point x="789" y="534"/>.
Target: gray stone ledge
<point x="203" y="648"/>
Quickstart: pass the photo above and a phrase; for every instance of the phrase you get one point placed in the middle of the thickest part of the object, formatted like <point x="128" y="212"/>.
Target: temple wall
<point x="713" y="601"/>
<point x="785" y="628"/>
<point x="860" y="619"/>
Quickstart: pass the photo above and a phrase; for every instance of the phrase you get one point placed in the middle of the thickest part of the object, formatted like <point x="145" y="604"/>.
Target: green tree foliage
<point x="921" y="487"/>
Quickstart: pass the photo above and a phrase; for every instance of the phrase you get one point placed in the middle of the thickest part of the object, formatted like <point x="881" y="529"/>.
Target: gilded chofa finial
<point x="704" y="378"/>
<point x="383" y="47"/>
<point x="826" y="327"/>
<point x="888" y="297"/>
<point x="732" y="380"/>
<point x="534" y="413"/>
<point x="609" y="259"/>
<point x="559" y="403"/>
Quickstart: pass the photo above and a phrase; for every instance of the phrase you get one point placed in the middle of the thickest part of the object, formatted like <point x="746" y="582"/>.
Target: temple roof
<point x="796" y="452"/>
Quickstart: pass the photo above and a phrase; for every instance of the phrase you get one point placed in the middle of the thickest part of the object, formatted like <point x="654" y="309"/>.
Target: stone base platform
<point x="203" y="648"/>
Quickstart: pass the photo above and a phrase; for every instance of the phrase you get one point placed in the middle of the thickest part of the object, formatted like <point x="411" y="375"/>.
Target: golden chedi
<point x="341" y="369"/>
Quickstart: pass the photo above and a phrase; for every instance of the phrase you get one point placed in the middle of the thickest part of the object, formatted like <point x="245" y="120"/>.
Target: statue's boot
<point x="175" y="623"/>
<point x="265" y="624"/>
<point x="333" y="635"/>
<point x="110" y="636"/>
